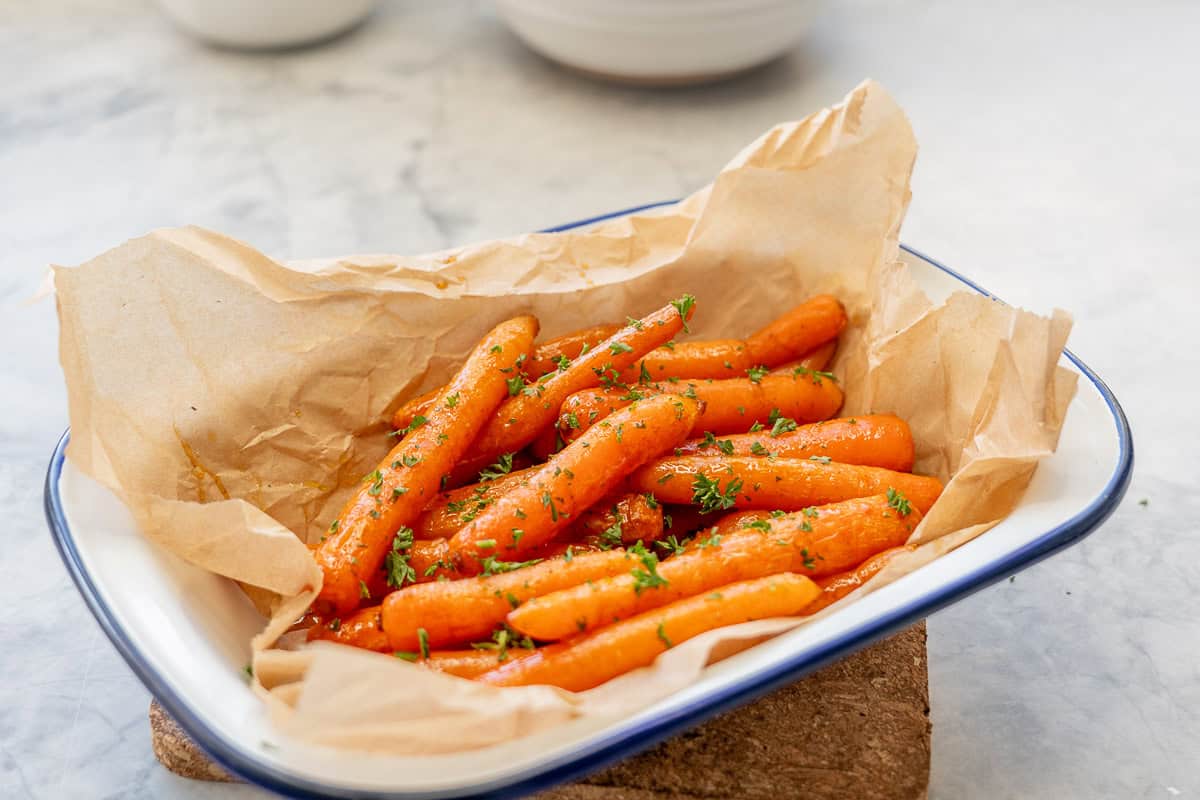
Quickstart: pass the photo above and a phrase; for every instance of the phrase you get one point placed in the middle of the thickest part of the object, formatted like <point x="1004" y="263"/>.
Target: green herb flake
<point x="662" y="637"/>
<point x="899" y="502"/>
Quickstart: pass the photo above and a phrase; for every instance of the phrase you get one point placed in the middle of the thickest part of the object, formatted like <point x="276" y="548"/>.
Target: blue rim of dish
<point x="613" y="747"/>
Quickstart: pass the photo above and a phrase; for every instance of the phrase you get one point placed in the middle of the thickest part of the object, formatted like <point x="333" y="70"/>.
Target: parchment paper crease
<point x="232" y="401"/>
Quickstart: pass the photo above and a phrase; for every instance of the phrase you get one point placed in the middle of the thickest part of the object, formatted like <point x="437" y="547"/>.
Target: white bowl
<point x="660" y="42"/>
<point x="186" y="632"/>
<point x="264" y="24"/>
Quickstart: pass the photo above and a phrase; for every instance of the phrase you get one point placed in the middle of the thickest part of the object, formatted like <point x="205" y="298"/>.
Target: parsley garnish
<point x="376" y="479"/>
<point x="671" y="543"/>
<point x="423" y="642"/>
<point x="755" y="374"/>
<point x="821" y="459"/>
<point x="758" y="525"/>
<point x="706" y="492"/>
<point x="452" y="400"/>
<point x="515" y="385"/>
<point x="899" y="502"/>
<point x="395" y="563"/>
<point x="616" y="348"/>
<point x="646" y="576"/>
<point x="757" y="449"/>
<point x="634" y="323"/>
<point x="494" y="566"/>
<point x="363" y="591"/>
<point x="407" y="656"/>
<point x="651" y="500"/>
<point x="662" y="637"/>
<point x="548" y="502"/>
<point x="503" y="466"/>
<point x="684" y="306"/>
<point x="782" y="425"/>
<point x="417" y="422"/>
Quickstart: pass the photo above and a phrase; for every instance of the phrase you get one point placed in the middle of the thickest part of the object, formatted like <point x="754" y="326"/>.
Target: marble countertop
<point x="1059" y="167"/>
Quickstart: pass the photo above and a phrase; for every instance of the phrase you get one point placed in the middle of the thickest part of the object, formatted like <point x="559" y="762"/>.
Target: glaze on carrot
<point x="532" y="409"/>
<point x="591" y="467"/>
<point x="874" y="440"/>
<point x="456" y="611"/>
<point x="392" y="496"/>
<point x="729" y="406"/>
<point x="815" y="542"/>
<point x="719" y="483"/>
<point x="590" y="660"/>
<point x="835" y="587"/>
<point x="800" y="330"/>
<point x="545" y="358"/>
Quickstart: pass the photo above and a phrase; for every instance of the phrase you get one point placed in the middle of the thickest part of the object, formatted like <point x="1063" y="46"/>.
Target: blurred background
<point x="1058" y="167"/>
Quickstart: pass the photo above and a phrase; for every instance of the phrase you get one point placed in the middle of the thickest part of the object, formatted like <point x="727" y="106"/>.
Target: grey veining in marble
<point x="1059" y="166"/>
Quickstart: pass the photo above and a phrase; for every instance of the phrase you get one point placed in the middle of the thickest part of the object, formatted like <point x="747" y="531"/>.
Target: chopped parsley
<point x="684" y="306"/>
<point x="662" y="637"/>
<point x="452" y="400"/>
<point x="363" y="591"/>
<point x="706" y="493"/>
<point x="758" y="525"/>
<point x="493" y="566"/>
<point x="672" y="544"/>
<point x="503" y="466"/>
<point x="646" y="576"/>
<point x="417" y="422"/>
<point x="423" y="642"/>
<point x="515" y="385"/>
<point x="899" y="502"/>
<point x="757" y="449"/>
<point x="395" y="563"/>
<point x="616" y="348"/>
<point x="756" y="374"/>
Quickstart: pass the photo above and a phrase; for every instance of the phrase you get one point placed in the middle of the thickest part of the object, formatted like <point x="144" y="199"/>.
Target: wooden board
<point x="859" y="728"/>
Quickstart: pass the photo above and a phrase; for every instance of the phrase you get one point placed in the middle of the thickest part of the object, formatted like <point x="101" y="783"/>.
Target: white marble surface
<point x="1059" y="166"/>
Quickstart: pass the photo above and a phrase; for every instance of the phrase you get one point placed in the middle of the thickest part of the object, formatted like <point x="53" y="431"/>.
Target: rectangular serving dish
<point x="185" y="632"/>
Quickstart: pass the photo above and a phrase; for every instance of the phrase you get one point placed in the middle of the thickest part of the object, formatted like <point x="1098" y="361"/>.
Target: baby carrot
<point x="451" y="510"/>
<point x="814" y="542"/>
<point x="456" y="611"/>
<point x="835" y="587"/>
<point x="876" y="440"/>
<point x="805" y="327"/>
<point x="589" y="660"/>
<point x="717" y="483"/>
<point x="729" y="406"/>
<point x="531" y="409"/>
<point x="362" y="629"/>
<point x="546" y="358"/>
<point x="392" y="496"/>
<point x="797" y="332"/>
<point x="591" y="467"/>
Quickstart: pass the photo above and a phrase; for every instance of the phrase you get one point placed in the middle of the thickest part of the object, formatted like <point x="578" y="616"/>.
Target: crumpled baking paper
<point x="233" y="402"/>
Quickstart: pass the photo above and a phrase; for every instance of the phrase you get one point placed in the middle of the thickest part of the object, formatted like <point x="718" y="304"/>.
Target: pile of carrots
<point x="561" y="513"/>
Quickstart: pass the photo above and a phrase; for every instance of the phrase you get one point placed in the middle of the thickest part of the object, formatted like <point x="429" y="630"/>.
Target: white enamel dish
<point x="186" y="633"/>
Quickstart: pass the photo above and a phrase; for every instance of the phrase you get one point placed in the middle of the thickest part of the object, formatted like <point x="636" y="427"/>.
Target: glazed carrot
<point x="815" y="360"/>
<point x="533" y="408"/>
<point x="729" y="406"/>
<point x="416" y="405"/>
<point x="625" y="518"/>
<point x="816" y="542"/>
<point x="546" y="358"/>
<point x="797" y="332"/>
<point x="456" y="611"/>
<point x="392" y="496"/>
<point x="877" y="440"/>
<point x="362" y="629"/>
<point x="471" y="663"/>
<point x="800" y="330"/>
<point x="588" y="469"/>
<point x="451" y="510"/>
<point x="592" y="659"/>
<point x="835" y="587"/>
<point x="722" y="482"/>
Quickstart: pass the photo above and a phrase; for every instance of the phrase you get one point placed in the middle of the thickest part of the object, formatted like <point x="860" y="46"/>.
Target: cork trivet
<point x="858" y="728"/>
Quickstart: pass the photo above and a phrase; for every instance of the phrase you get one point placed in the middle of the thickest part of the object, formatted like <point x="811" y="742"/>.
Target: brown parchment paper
<point x="233" y="401"/>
